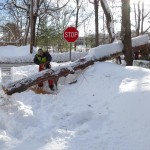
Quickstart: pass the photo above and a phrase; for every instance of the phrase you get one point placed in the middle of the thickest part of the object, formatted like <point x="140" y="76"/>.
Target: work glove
<point x="42" y="66"/>
<point x="47" y="65"/>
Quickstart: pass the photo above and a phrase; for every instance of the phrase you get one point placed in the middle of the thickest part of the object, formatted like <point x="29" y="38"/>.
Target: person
<point x="118" y="60"/>
<point x="43" y="59"/>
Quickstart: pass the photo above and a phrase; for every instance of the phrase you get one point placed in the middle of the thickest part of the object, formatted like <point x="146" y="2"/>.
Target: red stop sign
<point x="71" y="34"/>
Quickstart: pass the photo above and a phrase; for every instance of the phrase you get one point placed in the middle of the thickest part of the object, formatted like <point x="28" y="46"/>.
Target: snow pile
<point x="14" y="51"/>
<point x="64" y="57"/>
<point x="14" y="54"/>
<point x="108" y="108"/>
<point x="141" y="63"/>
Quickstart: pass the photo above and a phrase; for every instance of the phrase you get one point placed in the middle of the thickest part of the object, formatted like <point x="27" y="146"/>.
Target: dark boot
<point x="51" y="87"/>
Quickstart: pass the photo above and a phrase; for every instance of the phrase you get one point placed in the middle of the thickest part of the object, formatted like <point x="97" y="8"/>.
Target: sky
<point x="106" y="109"/>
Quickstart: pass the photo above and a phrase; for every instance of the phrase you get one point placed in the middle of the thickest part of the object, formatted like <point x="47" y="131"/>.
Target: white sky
<point x="108" y="108"/>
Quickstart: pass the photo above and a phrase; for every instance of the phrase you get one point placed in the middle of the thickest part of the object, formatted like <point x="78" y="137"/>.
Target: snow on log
<point x="140" y="43"/>
<point x="140" y="40"/>
<point x="106" y="49"/>
<point x="100" y="53"/>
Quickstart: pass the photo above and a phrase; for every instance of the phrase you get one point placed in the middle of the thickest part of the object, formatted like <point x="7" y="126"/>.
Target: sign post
<point x="71" y="34"/>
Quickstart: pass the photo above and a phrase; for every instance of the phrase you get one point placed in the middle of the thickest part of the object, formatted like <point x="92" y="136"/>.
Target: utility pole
<point x="31" y="27"/>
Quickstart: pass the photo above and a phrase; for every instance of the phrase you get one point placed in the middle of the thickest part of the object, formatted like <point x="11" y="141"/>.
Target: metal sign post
<point x="71" y="34"/>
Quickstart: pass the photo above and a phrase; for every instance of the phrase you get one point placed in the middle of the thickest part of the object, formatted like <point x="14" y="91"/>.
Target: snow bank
<point x="64" y="57"/>
<point x="141" y="63"/>
<point x="14" y="54"/>
<point x="14" y="51"/>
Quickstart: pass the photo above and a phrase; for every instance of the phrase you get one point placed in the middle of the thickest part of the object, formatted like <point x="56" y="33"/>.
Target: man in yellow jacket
<point x="43" y="59"/>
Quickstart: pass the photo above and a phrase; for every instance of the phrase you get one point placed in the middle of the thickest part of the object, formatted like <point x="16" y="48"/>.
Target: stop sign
<point x="71" y="34"/>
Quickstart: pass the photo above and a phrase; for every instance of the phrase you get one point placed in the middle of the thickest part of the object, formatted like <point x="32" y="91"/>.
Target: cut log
<point x="100" y="53"/>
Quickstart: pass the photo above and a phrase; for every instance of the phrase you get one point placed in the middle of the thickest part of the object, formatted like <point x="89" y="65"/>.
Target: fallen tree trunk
<point x="100" y="53"/>
<point x="55" y="74"/>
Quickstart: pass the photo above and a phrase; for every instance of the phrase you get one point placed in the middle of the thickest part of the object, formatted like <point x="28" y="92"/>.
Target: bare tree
<point x="78" y="6"/>
<point x="140" y="16"/>
<point x="11" y="32"/>
<point x="126" y="32"/>
<point x="109" y="20"/>
<point x="60" y="20"/>
<point x="39" y="7"/>
<point x="96" y="6"/>
<point x="137" y="14"/>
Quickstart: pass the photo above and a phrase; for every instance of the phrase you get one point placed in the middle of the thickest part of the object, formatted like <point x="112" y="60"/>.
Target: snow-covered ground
<point x="107" y="109"/>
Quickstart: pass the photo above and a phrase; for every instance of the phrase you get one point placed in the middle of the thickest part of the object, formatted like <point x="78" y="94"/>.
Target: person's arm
<point x="48" y="60"/>
<point x="48" y="56"/>
<point x="36" y="61"/>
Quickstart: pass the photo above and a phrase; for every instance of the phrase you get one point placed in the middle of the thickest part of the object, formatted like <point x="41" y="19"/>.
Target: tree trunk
<point x="139" y="20"/>
<point x="26" y="32"/>
<point x="96" y="5"/>
<point x="34" y="29"/>
<point x="96" y="23"/>
<point x="142" y="19"/>
<point x="77" y="20"/>
<point x="126" y="32"/>
<point x="109" y="20"/>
